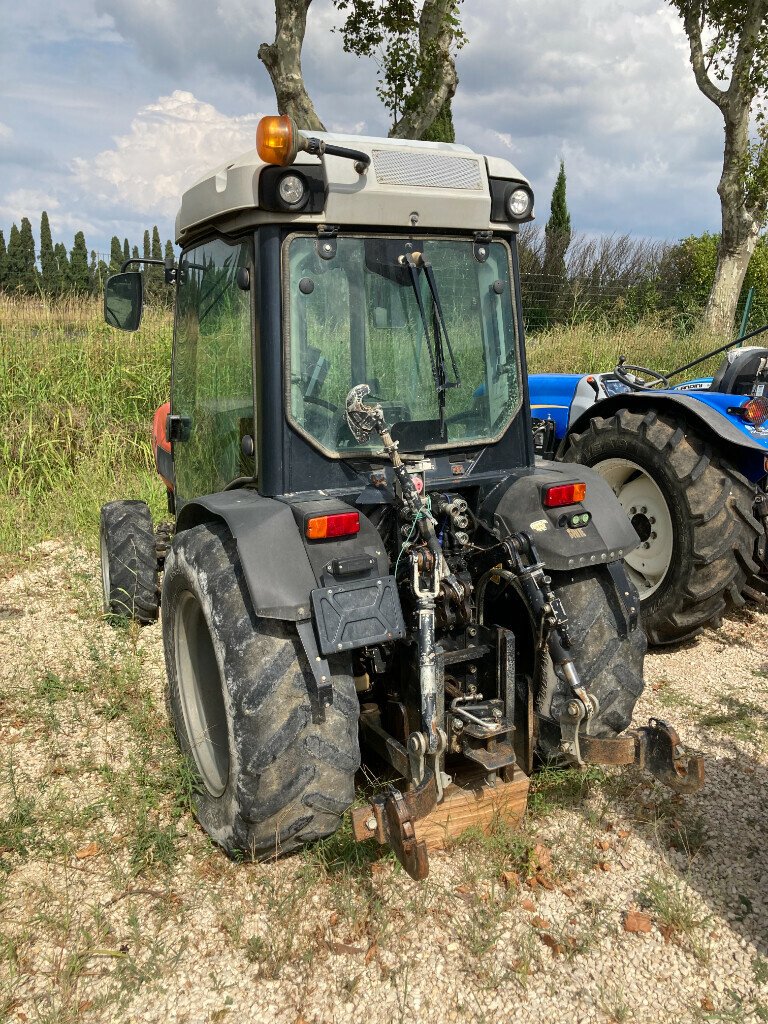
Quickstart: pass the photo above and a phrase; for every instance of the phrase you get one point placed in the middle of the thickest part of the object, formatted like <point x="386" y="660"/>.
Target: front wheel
<point x="129" y="576"/>
<point x="269" y="778"/>
<point x="691" y="511"/>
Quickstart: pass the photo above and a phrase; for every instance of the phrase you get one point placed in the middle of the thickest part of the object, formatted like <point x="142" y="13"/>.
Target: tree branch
<point x="282" y="59"/>
<point x="437" y="79"/>
<point x="740" y="89"/>
<point x="693" y="28"/>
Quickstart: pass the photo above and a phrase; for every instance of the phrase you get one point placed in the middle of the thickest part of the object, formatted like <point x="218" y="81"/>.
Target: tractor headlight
<point x="511" y="201"/>
<point x="292" y="189"/>
<point x="519" y="203"/>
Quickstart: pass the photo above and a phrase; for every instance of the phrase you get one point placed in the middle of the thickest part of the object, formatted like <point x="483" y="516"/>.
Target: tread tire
<point x="130" y="585"/>
<point x="287" y="780"/>
<point x="610" y="667"/>
<point x="715" y="535"/>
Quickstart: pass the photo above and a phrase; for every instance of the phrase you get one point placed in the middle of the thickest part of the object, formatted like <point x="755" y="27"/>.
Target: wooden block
<point x="471" y="802"/>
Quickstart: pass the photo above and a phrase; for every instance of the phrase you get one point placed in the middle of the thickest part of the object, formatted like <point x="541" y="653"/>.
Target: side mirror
<point x="123" y="300"/>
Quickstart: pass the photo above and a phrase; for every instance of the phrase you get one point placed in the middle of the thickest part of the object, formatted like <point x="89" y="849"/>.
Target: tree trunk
<point x="438" y="79"/>
<point x="740" y="225"/>
<point x="732" y="263"/>
<point x="282" y="59"/>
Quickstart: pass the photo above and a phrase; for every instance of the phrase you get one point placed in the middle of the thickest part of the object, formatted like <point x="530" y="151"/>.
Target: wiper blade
<point x="415" y="262"/>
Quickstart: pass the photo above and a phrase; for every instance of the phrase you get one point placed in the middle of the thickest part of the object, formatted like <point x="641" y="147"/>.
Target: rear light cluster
<point x="563" y="494"/>
<point x="338" y="524"/>
<point x="755" y="411"/>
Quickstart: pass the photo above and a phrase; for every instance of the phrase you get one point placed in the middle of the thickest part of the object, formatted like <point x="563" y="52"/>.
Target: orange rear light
<point x="755" y="411"/>
<point x="339" y="524"/>
<point x="277" y="140"/>
<point x="564" y="494"/>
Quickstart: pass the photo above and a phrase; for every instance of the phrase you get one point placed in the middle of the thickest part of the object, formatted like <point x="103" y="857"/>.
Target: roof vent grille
<point x="426" y="170"/>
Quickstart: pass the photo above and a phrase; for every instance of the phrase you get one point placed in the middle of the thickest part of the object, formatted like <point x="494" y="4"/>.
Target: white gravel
<point x="114" y="906"/>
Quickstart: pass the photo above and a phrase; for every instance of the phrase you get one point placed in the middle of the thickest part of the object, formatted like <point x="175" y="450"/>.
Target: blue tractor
<point x="689" y="464"/>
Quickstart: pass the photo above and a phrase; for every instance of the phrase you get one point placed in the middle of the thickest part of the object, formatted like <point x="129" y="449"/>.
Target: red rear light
<point x="755" y="411"/>
<point x="338" y="524"/>
<point x="563" y="494"/>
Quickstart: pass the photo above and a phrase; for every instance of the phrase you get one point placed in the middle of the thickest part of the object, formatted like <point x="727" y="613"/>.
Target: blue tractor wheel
<point x="692" y="512"/>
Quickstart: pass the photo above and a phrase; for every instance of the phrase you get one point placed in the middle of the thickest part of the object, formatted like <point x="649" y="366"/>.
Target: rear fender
<point x="516" y="506"/>
<point x="281" y="567"/>
<point x="707" y="412"/>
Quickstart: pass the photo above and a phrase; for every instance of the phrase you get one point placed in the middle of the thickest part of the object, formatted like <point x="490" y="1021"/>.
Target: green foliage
<point x="387" y="31"/>
<point x="169" y="254"/>
<point x="21" y="274"/>
<point x="62" y="266"/>
<point x="559" y="222"/>
<point x="126" y="249"/>
<point x="441" y="129"/>
<point x="116" y="255"/>
<point x="3" y="260"/>
<point x="79" y="272"/>
<point x="147" y="252"/>
<point x="49" y="269"/>
<point x="689" y="270"/>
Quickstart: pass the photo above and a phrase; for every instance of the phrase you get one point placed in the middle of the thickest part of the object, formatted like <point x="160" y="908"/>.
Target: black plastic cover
<point x="357" y="614"/>
<point x="516" y="506"/>
<point x="314" y="180"/>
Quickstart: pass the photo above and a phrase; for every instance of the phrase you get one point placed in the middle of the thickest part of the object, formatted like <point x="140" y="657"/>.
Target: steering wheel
<point x="626" y="374"/>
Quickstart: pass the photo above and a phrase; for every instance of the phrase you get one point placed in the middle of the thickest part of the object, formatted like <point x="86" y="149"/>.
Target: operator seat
<point x="739" y="369"/>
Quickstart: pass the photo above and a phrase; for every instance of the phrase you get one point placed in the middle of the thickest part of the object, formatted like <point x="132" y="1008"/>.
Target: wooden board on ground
<point x="471" y="803"/>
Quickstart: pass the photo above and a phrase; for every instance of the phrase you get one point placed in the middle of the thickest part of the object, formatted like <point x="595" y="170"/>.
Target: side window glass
<point x="212" y="387"/>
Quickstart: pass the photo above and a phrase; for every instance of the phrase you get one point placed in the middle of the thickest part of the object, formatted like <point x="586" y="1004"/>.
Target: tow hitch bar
<point x="655" y="747"/>
<point x="389" y="819"/>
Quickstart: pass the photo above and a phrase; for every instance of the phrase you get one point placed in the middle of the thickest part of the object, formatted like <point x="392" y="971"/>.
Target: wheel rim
<point x="642" y="500"/>
<point x="105" y="580"/>
<point x="201" y="694"/>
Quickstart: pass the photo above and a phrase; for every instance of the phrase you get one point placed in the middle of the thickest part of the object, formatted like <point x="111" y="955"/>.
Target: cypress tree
<point x="126" y="250"/>
<point x="3" y="261"/>
<point x="62" y="267"/>
<point x="147" y="248"/>
<point x="558" y="230"/>
<point x="157" y="249"/>
<point x="49" y="272"/>
<point x="28" y="276"/>
<point x="80" y="276"/>
<point x="115" y="255"/>
<point x="135" y="253"/>
<point x="13" y="260"/>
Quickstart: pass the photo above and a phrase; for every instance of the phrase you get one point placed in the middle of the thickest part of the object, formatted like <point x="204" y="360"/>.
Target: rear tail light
<point x="755" y="411"/>
<point x="338" y="524"/>
<point x="564" y="494"/>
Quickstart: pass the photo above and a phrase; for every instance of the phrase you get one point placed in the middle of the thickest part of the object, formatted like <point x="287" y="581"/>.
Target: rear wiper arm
<point x="415" y="262"/>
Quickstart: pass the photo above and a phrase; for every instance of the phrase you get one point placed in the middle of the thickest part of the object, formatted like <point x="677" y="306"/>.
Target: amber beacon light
<point x="278" y="140"/>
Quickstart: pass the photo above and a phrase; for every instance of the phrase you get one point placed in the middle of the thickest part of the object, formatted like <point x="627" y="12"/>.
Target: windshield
<point x="364" y="316"/>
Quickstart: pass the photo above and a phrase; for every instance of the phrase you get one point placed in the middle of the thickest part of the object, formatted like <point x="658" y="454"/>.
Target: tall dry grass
<point x="76" y="404"/>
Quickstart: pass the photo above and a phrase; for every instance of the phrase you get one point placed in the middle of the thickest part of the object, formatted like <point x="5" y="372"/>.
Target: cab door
<point x="212" y="400"/>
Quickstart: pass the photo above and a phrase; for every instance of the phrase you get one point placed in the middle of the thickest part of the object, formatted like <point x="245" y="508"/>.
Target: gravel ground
<point x="613" y="902"/>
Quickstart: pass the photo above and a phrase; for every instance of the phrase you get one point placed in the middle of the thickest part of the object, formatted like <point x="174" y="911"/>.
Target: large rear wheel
<point x="610" y="665"/>
<point x="691" y="510"/>
<point x="269" y="778"/>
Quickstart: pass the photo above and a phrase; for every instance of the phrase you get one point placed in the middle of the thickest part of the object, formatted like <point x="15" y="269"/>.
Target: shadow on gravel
<point x="731" y="870"/>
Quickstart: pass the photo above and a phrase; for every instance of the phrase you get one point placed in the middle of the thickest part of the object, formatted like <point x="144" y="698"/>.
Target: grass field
<point x="77" y="400"/>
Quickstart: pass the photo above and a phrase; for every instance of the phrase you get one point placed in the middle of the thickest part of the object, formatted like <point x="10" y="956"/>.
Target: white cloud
<point x="170" y="144"/>
<point x="6" y="132"/>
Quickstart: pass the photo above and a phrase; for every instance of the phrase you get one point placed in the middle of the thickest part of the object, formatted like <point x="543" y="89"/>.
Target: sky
<point x="110" y="108"/>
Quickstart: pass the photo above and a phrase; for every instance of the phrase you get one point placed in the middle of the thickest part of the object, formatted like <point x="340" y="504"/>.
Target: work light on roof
<point x="519" y="203"/>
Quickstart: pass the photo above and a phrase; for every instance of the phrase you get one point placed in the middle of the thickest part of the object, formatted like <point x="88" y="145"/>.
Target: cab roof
<point x="443" y="185"/>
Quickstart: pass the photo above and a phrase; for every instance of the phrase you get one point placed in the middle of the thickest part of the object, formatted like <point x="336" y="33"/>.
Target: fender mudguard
<point x="717" y="425"/>
<point x="516" y="506"/>
<point x="280" y="569"/>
